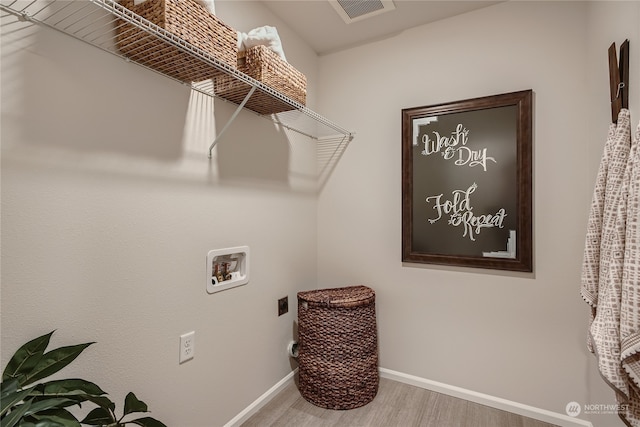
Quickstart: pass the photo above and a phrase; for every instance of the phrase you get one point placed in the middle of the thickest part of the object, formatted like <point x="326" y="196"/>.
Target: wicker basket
<point x="338" y="347"/>
<point x="187" y="20"/>
<point x="264" y="65"/>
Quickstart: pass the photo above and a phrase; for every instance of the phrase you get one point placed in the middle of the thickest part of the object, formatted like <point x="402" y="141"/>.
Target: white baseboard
<point x="472" y="396"/>
<point x="261" y="401"/>
<point x="487" y="400"/>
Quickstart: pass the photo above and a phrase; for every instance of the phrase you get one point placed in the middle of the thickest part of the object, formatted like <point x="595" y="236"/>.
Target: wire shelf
<point x="95" y="21"/>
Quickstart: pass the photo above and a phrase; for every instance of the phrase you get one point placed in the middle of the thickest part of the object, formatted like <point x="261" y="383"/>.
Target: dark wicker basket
<point x="188" y="20"/>
<point x="338" y="347"/>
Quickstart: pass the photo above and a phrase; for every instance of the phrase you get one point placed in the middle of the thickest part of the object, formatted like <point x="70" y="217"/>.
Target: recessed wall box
<point x="227" y="268"/>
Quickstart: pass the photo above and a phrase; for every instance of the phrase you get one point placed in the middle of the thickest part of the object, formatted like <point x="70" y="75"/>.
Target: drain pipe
<point x="292" y="349"/>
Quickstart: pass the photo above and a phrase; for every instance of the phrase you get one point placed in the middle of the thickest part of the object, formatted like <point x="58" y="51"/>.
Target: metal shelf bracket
<point x="231" y="119"/>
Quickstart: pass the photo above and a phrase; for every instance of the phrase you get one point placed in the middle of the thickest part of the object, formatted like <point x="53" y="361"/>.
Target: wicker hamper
<point x="186" y="19"/>
<point x="338" y="347"/>
<point x="264" y="65"/>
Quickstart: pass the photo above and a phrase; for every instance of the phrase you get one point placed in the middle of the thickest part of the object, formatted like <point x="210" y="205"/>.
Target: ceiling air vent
<point x="355" y="10"/>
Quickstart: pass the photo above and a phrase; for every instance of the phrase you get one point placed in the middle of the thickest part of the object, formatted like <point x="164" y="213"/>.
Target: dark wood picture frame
<point x="467" y="183"/>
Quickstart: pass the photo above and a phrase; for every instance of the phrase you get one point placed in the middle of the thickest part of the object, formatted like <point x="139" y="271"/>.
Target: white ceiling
<point x="320" y="26"/>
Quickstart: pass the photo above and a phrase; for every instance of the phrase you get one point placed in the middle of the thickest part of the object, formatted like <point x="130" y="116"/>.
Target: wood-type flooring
<point x="396" y="405"/>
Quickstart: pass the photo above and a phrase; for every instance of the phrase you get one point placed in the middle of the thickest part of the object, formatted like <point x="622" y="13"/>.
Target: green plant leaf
<point x="103" y="402"/>
<point x="77" y="390"/>
<point x="26" y="358"/>
<point x="53" y="361"/>
<point x="72" y="386"/>
<point x="12" y="397"/>
<point x="147" y="422"/>
<point x="132" y="404"/>
<point x="99" y="417"/>
<point x="42" y="422"/>
<point x="14" y="417"/>
<point x="45" y="422"/>
<point x="9" y="386"/>
<point x="56" y="417"/>
<point x="41" y="405"/>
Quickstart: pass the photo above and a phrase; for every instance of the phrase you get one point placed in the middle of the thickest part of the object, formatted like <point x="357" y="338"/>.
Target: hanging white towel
<point x="611" y="268"/>
<point x="605" y="326"/>
<point x="630" y="303"/>
<point x="591" y="260"/>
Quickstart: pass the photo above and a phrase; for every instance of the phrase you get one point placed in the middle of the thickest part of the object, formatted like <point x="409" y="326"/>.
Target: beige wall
<point x="110" y="205"/>
<point x="516" y="336"/>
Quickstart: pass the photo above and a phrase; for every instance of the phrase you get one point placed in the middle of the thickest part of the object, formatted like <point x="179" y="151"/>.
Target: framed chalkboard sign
<point x="466" y="183"/>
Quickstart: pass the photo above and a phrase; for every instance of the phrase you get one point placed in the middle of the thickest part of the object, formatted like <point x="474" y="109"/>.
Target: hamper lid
<point x="339" y="297"/>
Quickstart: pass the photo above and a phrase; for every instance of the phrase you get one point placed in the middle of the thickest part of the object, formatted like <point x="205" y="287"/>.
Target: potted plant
<point x="26" y="401"/>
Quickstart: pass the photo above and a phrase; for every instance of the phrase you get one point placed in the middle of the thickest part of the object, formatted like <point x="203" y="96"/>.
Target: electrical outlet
<point x="283" y="306"/>
<point x="187" y="346"/>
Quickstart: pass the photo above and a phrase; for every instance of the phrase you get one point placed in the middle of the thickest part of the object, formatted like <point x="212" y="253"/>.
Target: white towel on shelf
<point x="267" y="36"/>
<point x="209" y="4"/>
